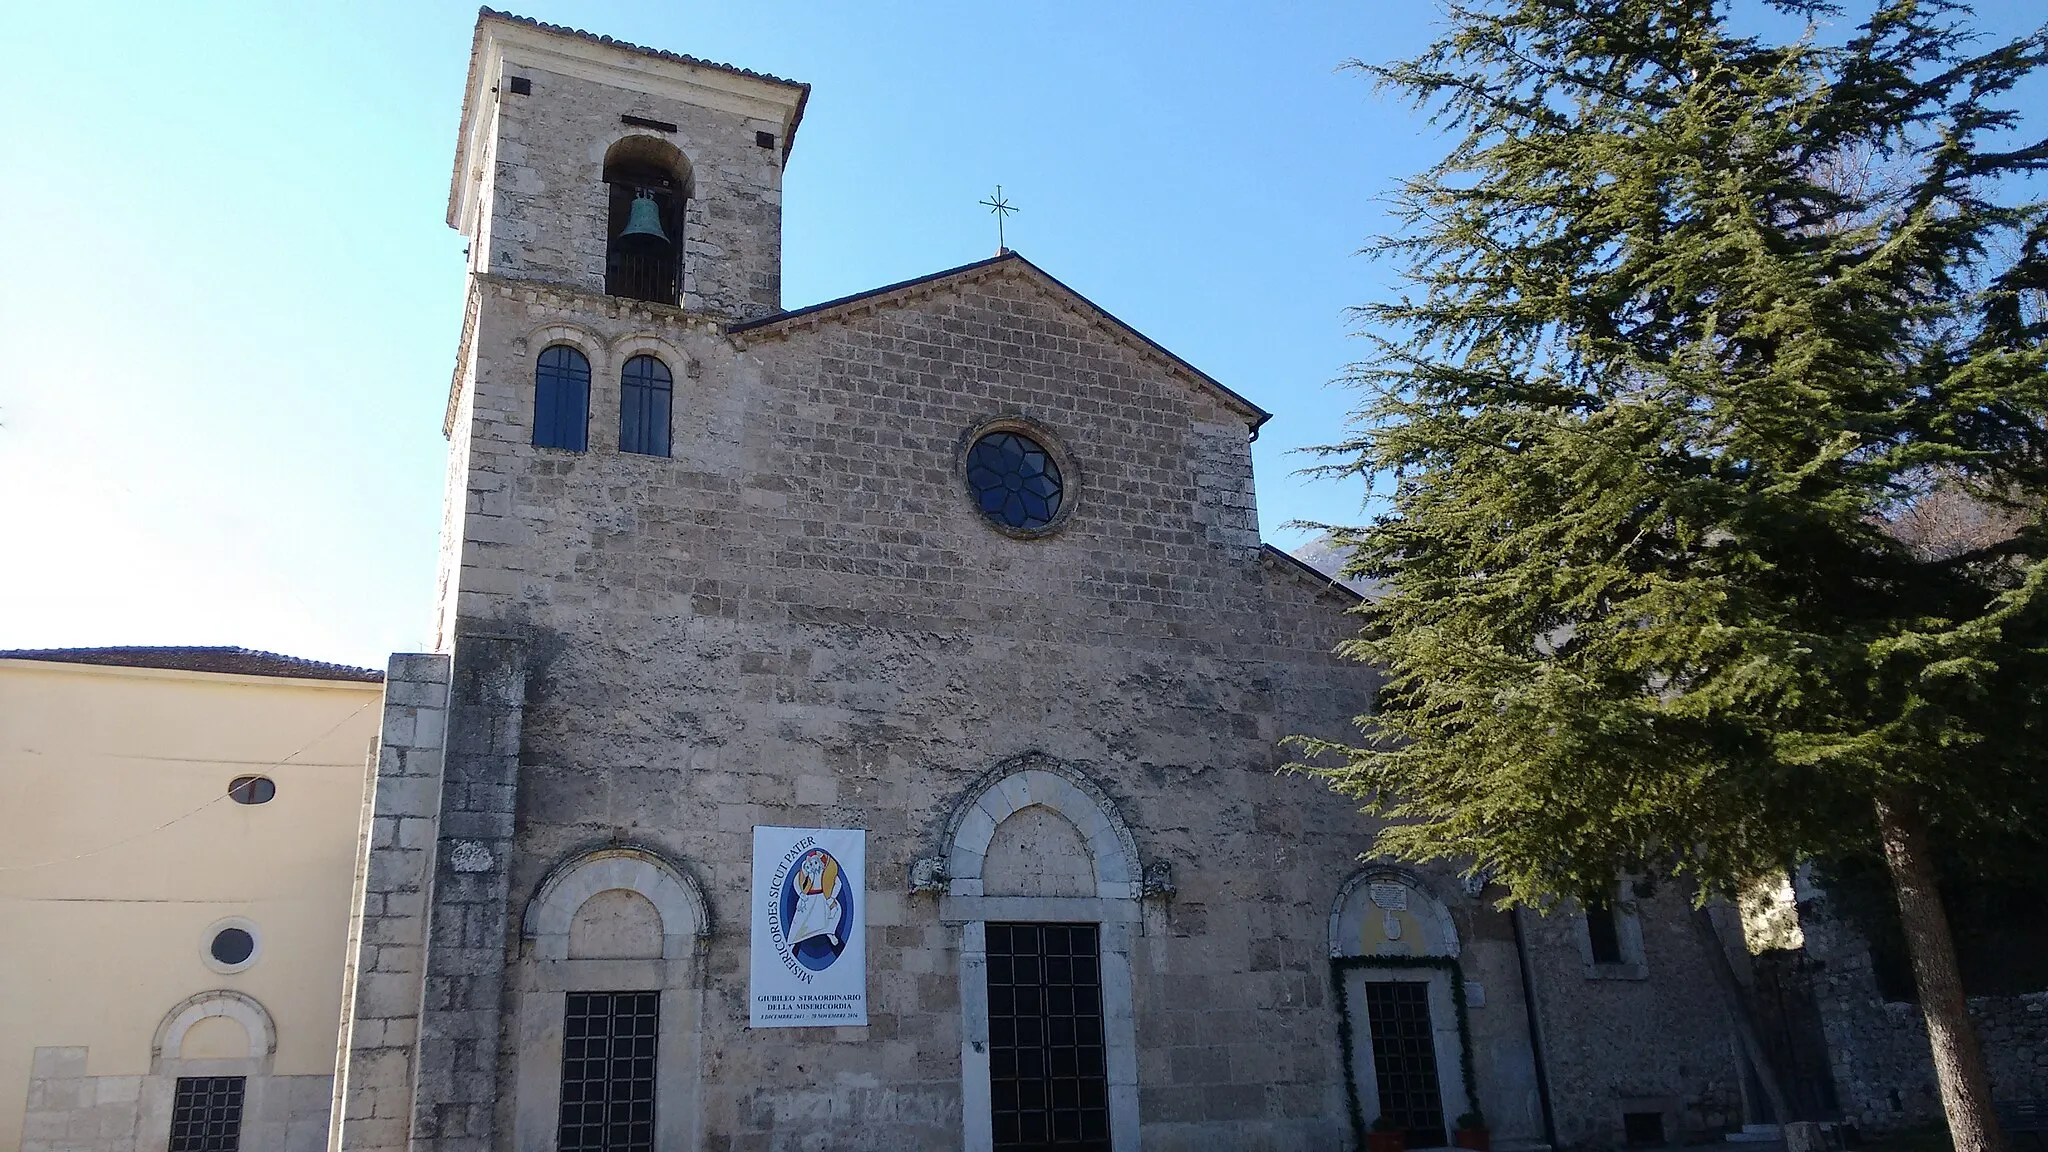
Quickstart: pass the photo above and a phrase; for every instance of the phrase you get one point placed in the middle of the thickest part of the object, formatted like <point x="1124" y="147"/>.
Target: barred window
<point x="608" y="1042"/>
<point x="561" y="399"/>
<point x="645" y="389"/>
<point x="1048" y="1082"/>
<point x="206" y="1114"/>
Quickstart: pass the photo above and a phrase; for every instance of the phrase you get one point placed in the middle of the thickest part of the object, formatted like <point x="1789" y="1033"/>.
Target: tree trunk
<point x="1958" y="1061"/>
<point x="1739" y="1015"/>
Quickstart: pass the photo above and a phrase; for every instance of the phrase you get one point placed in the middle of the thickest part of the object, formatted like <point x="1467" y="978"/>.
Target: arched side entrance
<point x="1044" y="883"/>
<point x="614" y="945"/>
<point x="1394" y="947"/>
<point x="221" y="1037"/>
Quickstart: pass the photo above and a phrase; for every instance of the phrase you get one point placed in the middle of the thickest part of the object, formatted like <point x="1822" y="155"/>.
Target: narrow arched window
<point x="645" y="388"/>
<point x="561" y="399"/>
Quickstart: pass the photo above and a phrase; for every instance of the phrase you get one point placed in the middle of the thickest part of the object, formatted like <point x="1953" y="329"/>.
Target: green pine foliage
<point x="1693" y="321"/>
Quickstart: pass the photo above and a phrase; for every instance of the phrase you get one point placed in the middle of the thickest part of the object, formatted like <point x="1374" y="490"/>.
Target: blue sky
<point x="231" y="304"/>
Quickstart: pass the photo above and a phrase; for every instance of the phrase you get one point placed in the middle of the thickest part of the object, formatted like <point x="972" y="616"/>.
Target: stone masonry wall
<point x="1647" y="1037"/>
<point x="373" y="1088"/>
<point x="550" y="205"/>
<point x="1883" y="1073"/>
<point x="70" y="1111"/>
<point x="469" y="913"/>
<point x="458" y="499"/>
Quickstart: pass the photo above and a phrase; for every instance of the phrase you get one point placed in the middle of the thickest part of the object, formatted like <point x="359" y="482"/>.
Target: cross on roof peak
<point x="1001" y="208"/>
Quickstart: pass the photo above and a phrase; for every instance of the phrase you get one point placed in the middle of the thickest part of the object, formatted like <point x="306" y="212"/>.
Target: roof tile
<point x="657" y="53"/>
<point x="227" y="660"/>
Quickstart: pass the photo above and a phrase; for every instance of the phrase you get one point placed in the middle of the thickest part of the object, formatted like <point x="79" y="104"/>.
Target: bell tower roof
<point x="504" y="41"/>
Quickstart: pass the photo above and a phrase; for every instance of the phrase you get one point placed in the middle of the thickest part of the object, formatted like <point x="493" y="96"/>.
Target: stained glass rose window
<point x="1015" y="480"/>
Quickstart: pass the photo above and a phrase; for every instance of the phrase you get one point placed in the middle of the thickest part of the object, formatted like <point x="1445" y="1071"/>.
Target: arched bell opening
<point x="650" y="185"/>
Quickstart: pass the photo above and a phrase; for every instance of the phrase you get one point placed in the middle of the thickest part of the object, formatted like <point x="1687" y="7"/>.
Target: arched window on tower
<point x="561" y="399"/>
<point x="649" y="183"/>
<point x="645" y="389"/>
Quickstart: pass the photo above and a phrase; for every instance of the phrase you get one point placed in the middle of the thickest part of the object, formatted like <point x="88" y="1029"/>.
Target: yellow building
<point x="178" y="835"/>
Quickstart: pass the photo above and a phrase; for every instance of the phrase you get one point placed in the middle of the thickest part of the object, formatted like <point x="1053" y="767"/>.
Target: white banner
<point x="809" y="906"/>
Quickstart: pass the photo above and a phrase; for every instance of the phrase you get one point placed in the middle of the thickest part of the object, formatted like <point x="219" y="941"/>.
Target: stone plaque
<point x="470" y="856"/>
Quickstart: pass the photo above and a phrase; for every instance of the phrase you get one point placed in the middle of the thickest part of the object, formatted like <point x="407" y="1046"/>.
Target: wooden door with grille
<point x="1404" y="1059"/>
<point x="1048" y="1084"/>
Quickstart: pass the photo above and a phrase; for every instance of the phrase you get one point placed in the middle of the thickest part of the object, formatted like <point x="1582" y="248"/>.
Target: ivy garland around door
<point x="1339" y="966"/>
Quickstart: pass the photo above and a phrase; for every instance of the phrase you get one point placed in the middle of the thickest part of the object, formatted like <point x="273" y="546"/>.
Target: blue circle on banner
<point x="816" y="909"/>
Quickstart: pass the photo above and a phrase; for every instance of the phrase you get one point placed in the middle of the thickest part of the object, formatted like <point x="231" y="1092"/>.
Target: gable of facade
<point x="830" y="449"/>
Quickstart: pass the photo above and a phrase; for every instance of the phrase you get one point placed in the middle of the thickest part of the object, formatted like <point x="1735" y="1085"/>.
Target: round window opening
<point x="1015" y="480"/>
<point x="252" y="789"/>
<point x="233" y="946"/>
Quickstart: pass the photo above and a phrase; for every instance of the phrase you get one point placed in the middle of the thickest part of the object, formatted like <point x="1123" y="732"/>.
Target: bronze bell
<point x="643" y="222"/>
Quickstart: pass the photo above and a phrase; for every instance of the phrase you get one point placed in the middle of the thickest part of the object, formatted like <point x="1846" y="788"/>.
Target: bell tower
<point x="597" y="164"/>
<point x="610" y="193"/>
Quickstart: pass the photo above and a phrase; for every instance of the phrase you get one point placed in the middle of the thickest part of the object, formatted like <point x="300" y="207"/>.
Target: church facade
<point x="969" y="567"/>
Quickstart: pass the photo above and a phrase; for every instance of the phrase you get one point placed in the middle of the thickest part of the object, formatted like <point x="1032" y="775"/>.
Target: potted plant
<point x="1471" y="1133"/>
<point x="1386" y="1136"/>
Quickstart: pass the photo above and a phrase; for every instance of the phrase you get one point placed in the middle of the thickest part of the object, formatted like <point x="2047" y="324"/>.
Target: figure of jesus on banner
<point x="818" y="906"/>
